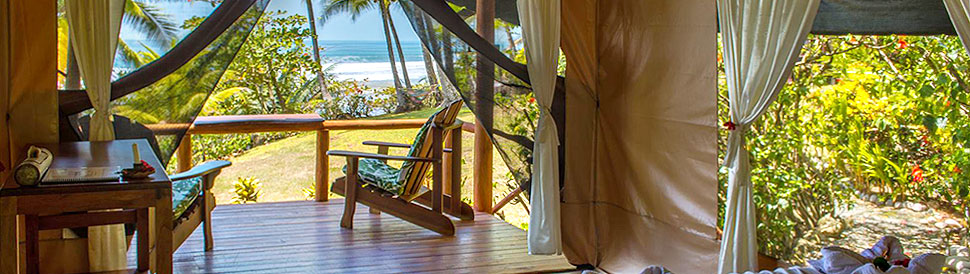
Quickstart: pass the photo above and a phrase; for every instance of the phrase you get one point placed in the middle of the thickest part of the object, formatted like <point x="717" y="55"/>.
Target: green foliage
<point x="352" y="99"/>
<point x="876" y="114"/>
<point x="246" y="190"/>
<point x="274" y="72"/>
<point x="309" y="192"/>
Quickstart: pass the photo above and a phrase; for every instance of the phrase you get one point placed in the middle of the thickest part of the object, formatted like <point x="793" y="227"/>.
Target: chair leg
<point x="455" y="179"/>
<point x="436" y="177"/>
<point x="207" y="220"/>
<point x="350" y="189"/>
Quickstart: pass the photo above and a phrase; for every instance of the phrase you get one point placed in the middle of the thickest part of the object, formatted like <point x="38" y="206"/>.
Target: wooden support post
<point x="320" y="188"/>
<point x="484" y="83"/>
<point x="184" y="153"/>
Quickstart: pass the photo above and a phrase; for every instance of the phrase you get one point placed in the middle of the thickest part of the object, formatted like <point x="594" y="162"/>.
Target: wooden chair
<point x="400" y="192"/>
<point x="192" y="198"/>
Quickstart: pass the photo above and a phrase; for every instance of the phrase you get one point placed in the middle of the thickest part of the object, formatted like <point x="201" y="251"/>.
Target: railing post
<point x="484" y="83"/>
<point x="320" y="187"/>
<point x="184" y="153"/>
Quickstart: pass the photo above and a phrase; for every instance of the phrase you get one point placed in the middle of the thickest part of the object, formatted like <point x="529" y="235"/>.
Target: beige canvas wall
<point x="28" y="98"/>
<point x="32" y="99"/>
<point x="641" y="140"/>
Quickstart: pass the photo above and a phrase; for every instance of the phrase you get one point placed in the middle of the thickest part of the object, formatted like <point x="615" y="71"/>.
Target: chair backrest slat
<point x="412" y="173"/>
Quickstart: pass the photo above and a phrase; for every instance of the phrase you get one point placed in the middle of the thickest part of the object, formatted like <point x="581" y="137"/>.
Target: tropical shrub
<point x="246" y="190"/>
<point x="885" y="115"/>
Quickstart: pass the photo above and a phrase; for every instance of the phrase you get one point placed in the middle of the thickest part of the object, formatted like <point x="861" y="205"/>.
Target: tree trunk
<point x="432" y="79"/>
<point x="449" y="53"/>
<point x="428" y="63"/>
<point x="316" y="48"/>
<point x="508" y="35"/>
<point x="400" y="53"/>
<point x="432" y="34"/>
<point x="72" y="79"/>
<point x="402" y="99"/>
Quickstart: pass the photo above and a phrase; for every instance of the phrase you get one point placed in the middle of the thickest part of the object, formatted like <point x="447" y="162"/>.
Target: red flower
<point x="532" y="100"/>
<point x="917" y="173"/>
<point x="730" y="125"/>
<point x="957" y="169"/>
<point x="947" y="103"/>
<point x="902" y="44"/>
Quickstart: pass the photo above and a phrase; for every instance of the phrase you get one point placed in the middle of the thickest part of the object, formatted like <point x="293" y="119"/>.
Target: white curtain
<point x="540" y="31"/>
<point x="94" y="26"/>
<point x="959" y="11"/>
<point x="761" y="41"/>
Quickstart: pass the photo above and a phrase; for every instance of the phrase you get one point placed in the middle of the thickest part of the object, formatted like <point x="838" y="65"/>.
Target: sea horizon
<point x="361" y="60"/>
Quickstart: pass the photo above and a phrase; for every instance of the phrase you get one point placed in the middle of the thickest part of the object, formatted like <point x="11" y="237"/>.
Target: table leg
<point x="163" y="232"/>
<point x="32" y="244"/>
<point x="8" y="236"/>
<point x="143" y="245"/>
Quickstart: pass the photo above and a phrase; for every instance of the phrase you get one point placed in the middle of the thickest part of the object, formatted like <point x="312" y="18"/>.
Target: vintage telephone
<point x="32" y="169"/>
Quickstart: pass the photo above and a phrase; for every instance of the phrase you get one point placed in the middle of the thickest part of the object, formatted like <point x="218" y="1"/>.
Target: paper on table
<point x="82" y="174"/>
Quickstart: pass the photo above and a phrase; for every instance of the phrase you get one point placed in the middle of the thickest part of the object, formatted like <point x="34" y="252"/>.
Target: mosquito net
<point x="169" y="91"/>
<point x="505" y="108"/>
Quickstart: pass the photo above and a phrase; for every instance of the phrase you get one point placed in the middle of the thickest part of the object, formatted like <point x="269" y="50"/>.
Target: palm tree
<point x="316" y="47"/>
<point x="357" y="7"/>
<point x="145" y="17"/>
<point x="397" y="41"/>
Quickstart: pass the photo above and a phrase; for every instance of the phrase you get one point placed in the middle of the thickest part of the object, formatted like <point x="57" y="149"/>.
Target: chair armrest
<point x="389" y="144"/>
<point x="201" y="170"/>
<point x="378" y="156"/>
<point x="385" y="144"/>
<point x="456" y="124"/>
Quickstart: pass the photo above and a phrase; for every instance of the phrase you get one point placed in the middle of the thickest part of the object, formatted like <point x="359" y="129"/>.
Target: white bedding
<point x="838" y="260"/>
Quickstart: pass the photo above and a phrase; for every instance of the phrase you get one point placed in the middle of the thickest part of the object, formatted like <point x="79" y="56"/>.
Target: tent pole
<point x="484" y="96"/>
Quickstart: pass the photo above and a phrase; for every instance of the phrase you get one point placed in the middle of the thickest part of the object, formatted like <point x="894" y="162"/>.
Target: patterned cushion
<point x="184" y="193"/>
<point x="379" y="174"/>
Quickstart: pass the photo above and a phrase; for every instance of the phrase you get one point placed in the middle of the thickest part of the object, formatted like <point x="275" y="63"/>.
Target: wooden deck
<point x="305" y="237"/>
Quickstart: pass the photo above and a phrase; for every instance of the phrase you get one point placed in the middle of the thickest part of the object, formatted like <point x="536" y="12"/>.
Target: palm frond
<point x="151" y="20"/>
<point x="128" y="55"/>
<point x="354" y="7"/>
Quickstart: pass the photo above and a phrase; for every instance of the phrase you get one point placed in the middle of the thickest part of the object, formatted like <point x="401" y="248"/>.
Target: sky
<point x="367" y="27"/>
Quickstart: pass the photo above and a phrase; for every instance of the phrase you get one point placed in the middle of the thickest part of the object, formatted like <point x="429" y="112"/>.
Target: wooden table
<point x="50" y="206"/>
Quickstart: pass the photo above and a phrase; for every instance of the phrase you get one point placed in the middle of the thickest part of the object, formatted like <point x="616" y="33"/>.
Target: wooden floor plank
<point x="305" y="237"/>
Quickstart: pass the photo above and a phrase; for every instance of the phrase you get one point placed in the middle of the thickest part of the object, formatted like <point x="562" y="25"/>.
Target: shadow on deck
<point x="305" y="237"/>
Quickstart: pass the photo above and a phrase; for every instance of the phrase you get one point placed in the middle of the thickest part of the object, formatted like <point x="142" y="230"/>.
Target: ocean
<point x="354" y="60"/>
<point x="368" y="61"/>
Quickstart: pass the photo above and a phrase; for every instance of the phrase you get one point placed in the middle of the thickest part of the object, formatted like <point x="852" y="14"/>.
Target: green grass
<point x="287" y="166"/>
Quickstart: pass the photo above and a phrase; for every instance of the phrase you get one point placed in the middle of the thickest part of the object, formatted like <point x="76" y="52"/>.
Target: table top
<point x="92" y="154"/>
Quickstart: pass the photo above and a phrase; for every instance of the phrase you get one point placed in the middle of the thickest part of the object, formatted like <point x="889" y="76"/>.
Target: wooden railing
<point x="290" y="123"/>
